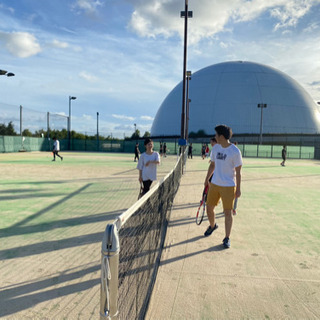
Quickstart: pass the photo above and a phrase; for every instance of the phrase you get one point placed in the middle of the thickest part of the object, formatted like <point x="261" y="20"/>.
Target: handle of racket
<point x="235" y="204"/>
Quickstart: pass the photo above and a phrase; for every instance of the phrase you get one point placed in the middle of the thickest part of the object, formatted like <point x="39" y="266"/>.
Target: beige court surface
<point x="271" y="271"/>
<point x="53" y="216"/>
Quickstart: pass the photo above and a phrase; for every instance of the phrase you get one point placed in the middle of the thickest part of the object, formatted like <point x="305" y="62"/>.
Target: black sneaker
<point x="226" y="242"/>
<point x="210" y="230"/>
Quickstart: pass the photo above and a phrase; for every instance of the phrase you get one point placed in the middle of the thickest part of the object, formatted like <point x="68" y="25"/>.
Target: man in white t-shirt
<point x="226" y="162"/>
<point x="56" y="149"/>
<point x="147" y="165"/>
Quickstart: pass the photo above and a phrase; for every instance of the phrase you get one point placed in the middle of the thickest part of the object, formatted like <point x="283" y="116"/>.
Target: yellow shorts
<point x="227" y="195"/>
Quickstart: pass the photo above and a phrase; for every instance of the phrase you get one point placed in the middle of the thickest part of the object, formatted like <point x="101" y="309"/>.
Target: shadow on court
<point x="24" y="295"/>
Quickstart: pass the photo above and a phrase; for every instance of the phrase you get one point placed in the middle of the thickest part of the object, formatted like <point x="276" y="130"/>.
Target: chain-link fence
<point x="27" y="122"/>
<point x="32" y="130"/>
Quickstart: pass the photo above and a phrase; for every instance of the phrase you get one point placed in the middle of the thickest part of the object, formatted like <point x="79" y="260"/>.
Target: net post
<point x="109" y="273"/>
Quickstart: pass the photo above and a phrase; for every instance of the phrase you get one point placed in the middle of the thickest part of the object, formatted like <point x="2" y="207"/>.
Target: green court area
<point x="34" y="190"/>
<point x="285" y="197"/>
<point x="53" y="215"/>
<point x="52" y="219"/>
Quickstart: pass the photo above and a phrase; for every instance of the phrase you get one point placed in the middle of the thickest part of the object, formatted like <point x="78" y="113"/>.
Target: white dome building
<point x="229" y="92"/>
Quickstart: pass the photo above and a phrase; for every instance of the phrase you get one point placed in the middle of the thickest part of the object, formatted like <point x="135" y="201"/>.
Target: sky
<point x="121" y="58"/>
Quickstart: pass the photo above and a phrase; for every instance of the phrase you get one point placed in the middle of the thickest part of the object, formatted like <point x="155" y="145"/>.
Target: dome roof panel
<point x="229" y="93"/>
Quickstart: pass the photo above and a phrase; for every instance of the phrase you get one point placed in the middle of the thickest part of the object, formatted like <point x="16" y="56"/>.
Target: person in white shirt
<point x="226" y="163"/>
<point x="56" y="149"/>
<point x="147" y="165"/>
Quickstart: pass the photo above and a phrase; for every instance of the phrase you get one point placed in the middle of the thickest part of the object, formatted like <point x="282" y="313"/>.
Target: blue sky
<point x="122" y="57"/>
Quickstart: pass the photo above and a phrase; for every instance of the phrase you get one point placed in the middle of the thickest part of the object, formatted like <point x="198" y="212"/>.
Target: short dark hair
<point x="147" y="140"/>
<point x="223" y="130"/>
<point x="213" y="139"/>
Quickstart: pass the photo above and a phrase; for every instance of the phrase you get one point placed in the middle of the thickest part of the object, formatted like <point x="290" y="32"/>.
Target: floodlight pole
<point x="261" y="106"/>
<point x="21" y="114"/>
<point x="69" y="120"/>
<point x="188" y="76"/>
<point x="185" y="14"/>
<point x="97" y="131"/>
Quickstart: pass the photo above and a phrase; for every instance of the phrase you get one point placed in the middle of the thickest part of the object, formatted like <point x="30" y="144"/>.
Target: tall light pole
<point x="188" y="101"/>
<point x="69" y="120"/>
<point x="184" y="14"/>
<point x="261" y="106"/>
<point x="97" y="131"/>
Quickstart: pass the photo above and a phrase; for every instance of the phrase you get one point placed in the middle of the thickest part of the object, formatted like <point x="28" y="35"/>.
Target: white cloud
<point x="123" y="117"/>
<point x="121" y="127"/>
<point x="21" y="44"/>
<point x="223" y="45"/>
<point x="161" y="17"/>
<point x="148" y="118"/>
<point x="90" y="7"/>
<point x="311" y="27"/>
<point x="87" y="76"/>
<point x="290" y="13"/>
<point x="61" y="113"/>
<point x="59" y="44"/>
<point x="4" y="7"/>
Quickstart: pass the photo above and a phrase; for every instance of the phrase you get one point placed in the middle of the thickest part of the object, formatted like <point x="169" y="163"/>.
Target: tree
<point x="40" y="133"/>
<point x="7" y="130"/>
<point x="10" y="129"/>
<point x="3" y="129"/>
<point x="146" y="134"/>
<point x="201" y="133"/>
<point x="136" y="134"/>
<point x="26" y="133"/>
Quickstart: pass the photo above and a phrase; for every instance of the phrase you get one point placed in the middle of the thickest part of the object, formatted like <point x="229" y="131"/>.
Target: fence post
<point x="109" y="273"/>
<point x="21" y="121"/>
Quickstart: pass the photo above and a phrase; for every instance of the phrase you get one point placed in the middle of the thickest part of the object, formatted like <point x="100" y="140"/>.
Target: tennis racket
<point x="141" y="191"/>
<point x="234" y="210"/>
<point x="202" y="207"/>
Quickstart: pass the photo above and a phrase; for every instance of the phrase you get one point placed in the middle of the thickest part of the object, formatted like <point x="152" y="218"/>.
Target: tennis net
<point x="141" y="231"/>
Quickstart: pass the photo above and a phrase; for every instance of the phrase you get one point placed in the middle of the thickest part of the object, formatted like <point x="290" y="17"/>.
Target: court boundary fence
<point x="116" y="282"/>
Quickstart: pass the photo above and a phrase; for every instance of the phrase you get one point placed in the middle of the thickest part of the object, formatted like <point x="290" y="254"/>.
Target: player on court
<point x="56" y="149"/>
<point x="226" y="162"/>
<point x="147" y="165"/>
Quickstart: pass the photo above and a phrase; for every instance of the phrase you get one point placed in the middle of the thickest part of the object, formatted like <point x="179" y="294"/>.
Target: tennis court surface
<point x="53" y="216"/>
<point x="271" y="271"/>
<point x="52" y="219"/>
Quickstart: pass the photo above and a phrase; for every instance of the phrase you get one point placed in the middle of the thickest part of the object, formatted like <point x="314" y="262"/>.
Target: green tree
<point x="40" y="133"/>
<point x="79" y="136"/>
<point x="7" y="130"/>
<point x="26" y="133"/>
<point x="146" y="134"/>
<point x="3" y="129"/>
<point x="136" y="134"/>
<point x="201" y="133"/>
<point x="10" y="129"/>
